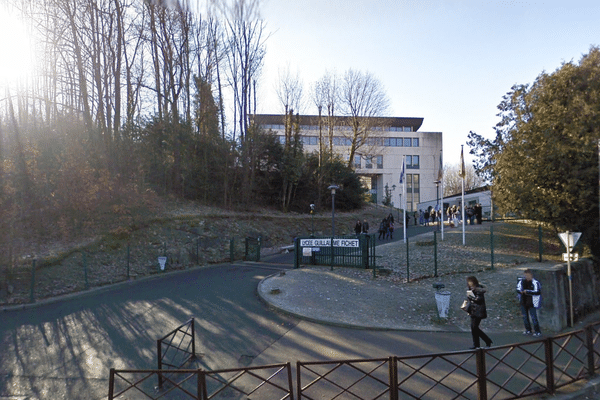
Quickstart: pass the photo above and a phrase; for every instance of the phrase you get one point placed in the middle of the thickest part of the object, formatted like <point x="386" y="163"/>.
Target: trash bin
<point x="442" y="298"/>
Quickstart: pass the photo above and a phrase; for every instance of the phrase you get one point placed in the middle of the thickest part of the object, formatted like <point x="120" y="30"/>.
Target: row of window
<point x="343" y="141"/>
<point x="412" y="162"/>
<point x="343" y="128"/>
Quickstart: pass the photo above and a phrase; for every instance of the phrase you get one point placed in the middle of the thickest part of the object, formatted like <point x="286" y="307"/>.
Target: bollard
<point x="85" y="274"/>
<point x="492" y="244"/>
<point x="128" y="260"/>
<point x="540" y="242"/>
<point x="231" y="249"/>
<point x="435" y="271"/>
<point x="32" y="289"/>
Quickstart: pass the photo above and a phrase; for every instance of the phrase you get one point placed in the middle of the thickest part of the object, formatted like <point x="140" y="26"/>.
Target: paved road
<point x="65" y="349"/>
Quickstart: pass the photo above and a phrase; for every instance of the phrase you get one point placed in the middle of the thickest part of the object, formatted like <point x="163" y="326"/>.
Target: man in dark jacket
<point x="529" y="291"/>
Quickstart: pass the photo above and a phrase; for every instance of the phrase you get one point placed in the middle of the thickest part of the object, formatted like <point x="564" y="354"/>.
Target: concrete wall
<point x="554" y="313"/>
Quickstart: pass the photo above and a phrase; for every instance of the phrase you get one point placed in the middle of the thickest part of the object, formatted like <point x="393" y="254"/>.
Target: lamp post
<point x="437" y="204"/>
<point x="312" y="219"/>
<point x="333" y="189"/>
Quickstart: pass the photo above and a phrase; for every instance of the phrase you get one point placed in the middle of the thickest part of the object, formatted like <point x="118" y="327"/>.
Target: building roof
<point x="277" y="119"/>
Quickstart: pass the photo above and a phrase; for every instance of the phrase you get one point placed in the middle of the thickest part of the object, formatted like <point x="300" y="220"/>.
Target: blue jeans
<point x="530" y="312"/>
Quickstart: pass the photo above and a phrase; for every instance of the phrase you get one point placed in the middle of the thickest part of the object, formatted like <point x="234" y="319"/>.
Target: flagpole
<point x="404" y="194"/>
<point x="442" y="195"/>
<point x="463" y="173"/>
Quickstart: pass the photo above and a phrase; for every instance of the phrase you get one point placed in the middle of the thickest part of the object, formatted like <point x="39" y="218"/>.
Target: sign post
<point x="569" y="239"/>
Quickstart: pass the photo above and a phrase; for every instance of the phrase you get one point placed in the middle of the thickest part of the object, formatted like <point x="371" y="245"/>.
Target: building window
<point x="415" y="142"/>
<point x="407" y="142"/>
<point x="413" y="191"/>
<point x="379" y="162"/>
<point x="412" y="162"/>
<point x="408" y="129"/>
<point x="369" y="162"/>
<point x="357" y="163"/>
<point x="281" y="139"/>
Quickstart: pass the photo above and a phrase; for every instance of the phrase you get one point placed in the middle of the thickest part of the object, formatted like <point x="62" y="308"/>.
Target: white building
<point x="379" y="160"/>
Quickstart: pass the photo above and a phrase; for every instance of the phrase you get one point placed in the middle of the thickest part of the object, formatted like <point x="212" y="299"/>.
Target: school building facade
<point x="379" y="161"/>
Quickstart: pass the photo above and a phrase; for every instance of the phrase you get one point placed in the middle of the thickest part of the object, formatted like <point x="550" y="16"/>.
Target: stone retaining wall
<point x="554" y="313"/>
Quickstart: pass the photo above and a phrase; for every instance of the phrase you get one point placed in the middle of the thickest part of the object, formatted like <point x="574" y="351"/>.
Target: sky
<point x="449" y="62"/>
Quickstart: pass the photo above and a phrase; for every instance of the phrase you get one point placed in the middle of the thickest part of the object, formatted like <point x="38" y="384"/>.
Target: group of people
<point x="428" y="216"/>
<point x="386" y="227"/>
<point x="529" y="294"/>
<point x="361" y="227"/>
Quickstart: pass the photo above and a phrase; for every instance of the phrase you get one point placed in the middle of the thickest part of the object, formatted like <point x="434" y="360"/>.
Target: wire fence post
<point x="492" y="244"/>
<point x="85" y="271"/>
<point x="540" y="243"/>
<point x="32" y="288"/>
<point x="197" y="251"/>
<point x="435" y="265"/>
<point x="128" y="260"/>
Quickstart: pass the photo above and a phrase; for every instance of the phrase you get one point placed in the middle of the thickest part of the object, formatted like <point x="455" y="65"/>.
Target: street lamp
<point x="437" y="203"/>
<point x="333" y="188"/>
<point x="312" y="219"/>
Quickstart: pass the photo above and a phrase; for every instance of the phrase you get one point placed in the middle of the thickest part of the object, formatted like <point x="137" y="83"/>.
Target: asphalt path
<point x="64" y="349"/>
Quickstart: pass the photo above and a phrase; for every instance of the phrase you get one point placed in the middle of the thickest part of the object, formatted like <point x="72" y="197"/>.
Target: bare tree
<point x="363" y="100"/>
<point x="326" y="94"/>
<point x="453" y="180"/>
<point x="290" y="91"/>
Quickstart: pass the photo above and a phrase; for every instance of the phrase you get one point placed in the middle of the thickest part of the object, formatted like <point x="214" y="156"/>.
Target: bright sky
<point x="449" y="62"/>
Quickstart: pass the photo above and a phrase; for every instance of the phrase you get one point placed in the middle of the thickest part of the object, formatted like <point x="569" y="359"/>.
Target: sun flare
<point x="16" y="48"/>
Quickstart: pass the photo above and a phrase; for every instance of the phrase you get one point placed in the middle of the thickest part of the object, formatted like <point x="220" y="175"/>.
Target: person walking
<point x="365" y="226"/>
<point x="358" y="227"/>
<point x="530" y="295"/>
<point x="382" y="229"/>
<point x="477" y="311"/>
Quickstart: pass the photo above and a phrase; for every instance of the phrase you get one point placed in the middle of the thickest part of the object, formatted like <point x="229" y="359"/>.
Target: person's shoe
<point x="474" y="347"/>
<point x="488" y="345"/>
<point x="527" y="333"/>
<point x="537" y="334"/>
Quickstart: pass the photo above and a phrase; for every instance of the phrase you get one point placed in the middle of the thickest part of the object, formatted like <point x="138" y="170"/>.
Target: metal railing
<point x="176" y="348"/>
<point x="264" y="382"/>
<point x="500" y="373"/>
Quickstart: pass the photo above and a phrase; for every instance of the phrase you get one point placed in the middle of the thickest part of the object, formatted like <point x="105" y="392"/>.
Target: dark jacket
<point x="477" y="303"/>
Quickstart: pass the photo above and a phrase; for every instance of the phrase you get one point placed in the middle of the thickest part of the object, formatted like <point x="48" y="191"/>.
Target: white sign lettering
<point x="327" y="243"/>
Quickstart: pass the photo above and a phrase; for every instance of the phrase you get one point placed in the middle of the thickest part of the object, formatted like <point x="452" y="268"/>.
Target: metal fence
<point x="356" y="251"/>
<point x="269" y="382"/>
<point x="111" y="262"/>
<point x="500" y="373"/>
<point x="176" y="348"/>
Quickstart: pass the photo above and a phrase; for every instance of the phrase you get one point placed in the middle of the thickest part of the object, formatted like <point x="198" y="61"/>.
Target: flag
<point x="462" y="171"/>
<point x="402" y="172"/>
<point x="441" y="170"/>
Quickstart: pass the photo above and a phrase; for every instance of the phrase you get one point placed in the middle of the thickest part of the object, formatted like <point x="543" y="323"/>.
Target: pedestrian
<point x="530" y="297"/>
<point x="391" y="230"/>
<point x="415" y="215"/>
<point x="358" y="227"/>
<point x="382" y="229"/>
<point x="365" y="226"/>
<point x="477" y="311"/>
<point x="421" y="218"/>
<point x="407" y="219"/>
<point x="426" y="215"/>
<point x="390" y="218"/>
